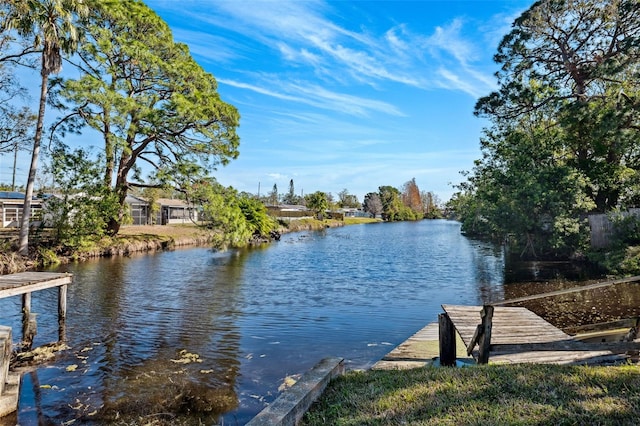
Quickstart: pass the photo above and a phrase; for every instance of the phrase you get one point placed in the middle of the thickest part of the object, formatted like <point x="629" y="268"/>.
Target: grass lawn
<point x="523" y="394"/>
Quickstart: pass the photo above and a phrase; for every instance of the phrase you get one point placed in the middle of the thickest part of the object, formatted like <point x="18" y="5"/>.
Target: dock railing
<point x="482" y="335"/>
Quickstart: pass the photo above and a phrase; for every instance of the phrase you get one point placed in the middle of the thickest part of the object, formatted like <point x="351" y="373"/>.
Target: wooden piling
<point x="447" y="337"/>
<point x="484" y="342"/>
<point x="24" y="283"/>
<point x="26" y="316"/>
<point x="62" y="312"/>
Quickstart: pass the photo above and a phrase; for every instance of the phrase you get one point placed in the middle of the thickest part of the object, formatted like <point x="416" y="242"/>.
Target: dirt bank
<point x="133" y="239"/>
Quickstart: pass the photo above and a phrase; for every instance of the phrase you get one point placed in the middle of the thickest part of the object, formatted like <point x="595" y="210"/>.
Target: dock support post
<point x="447" y="337"/>
<point x="27" y="329"/>
<point x="62" y="312"/>
<point x="484" y="341"/>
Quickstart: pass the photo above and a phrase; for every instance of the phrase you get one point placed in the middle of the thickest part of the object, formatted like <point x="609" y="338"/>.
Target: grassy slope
<point x="483" y="395"/>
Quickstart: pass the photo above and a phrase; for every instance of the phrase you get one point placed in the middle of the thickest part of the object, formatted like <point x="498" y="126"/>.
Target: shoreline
<point x="135" y="239"/>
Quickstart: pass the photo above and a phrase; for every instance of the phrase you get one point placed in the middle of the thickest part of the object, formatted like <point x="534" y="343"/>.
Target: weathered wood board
<point x="516" y="325"/>
<point x="417" y="351"/>
<point x="27" y="282"/>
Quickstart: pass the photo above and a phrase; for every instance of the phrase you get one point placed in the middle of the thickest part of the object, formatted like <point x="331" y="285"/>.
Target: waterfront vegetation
<point x="562" y="143"/>
<point x="563" y="136"/>
<point x="491" y="395"/>
<point x="132" y="239"/>
<point x="158" y="109"/>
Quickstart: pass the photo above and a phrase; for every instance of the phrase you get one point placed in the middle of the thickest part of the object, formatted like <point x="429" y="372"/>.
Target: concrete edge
<point x="9" y="399"/>
<point x="289" y="408"/>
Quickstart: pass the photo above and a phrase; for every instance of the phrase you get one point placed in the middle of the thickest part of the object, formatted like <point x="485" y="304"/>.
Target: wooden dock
<point x="23" y="284"/>
<point x="517" y="335"/>
<point x="417" y="351"/>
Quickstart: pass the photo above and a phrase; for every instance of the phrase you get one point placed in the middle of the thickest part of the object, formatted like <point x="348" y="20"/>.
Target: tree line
<point x="151" y="106"/>
<point x="389" y="203"/>
<point x="563" y="139"/>
<point x="137" y="90"/>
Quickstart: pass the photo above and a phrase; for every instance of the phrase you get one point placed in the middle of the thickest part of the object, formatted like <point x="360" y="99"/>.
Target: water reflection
<point x="573" y="310"/>
<point x="138" y="326"/>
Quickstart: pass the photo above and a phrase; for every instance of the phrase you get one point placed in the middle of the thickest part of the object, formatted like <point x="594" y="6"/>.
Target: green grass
<point x="483" y="395"/>
<point x="358" y="220"/>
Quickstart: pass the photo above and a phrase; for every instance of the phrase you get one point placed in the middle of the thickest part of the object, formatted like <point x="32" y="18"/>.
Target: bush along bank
<point x="43" y="253"/>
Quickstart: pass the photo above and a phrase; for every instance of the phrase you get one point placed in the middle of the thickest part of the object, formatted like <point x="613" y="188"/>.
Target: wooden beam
<point x="566" y="345"/>
<point x="474" y="339"/>
<point x="62" y="312"/>
<point x="26" y="315"/>
<point x="31" y="287"/>
<point x="567" y="291"/>
<point x="447" y="339"/>
<point x="484" y="341"/>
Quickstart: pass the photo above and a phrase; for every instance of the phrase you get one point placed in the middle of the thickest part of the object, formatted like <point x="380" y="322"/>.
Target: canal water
<point x="196" y="335"/>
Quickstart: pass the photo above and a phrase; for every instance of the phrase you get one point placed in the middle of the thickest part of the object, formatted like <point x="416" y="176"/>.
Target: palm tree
<point x="51" y="24"/>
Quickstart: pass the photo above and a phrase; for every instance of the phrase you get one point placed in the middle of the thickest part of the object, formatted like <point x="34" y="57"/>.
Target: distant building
<point x="355" y="212"/>
<point x="289" y="212"/>
<point x="176" y="212"/>
<point x="171" y="211"/>
<point x="11" y="204"/>
<point x="139" y="209"/>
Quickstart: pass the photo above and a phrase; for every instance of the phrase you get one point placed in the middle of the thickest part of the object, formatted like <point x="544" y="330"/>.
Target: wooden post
<point x="5" y="358"/>
<point x="485" y="337"/>
<point x="26" y="316"/>
<point x="447" y="336"/>
<point x="62" y="312"/>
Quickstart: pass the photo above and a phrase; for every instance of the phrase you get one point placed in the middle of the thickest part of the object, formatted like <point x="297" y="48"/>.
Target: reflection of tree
<point x="488" y="267"/>
<point x="188" y="336"/>
<point x="575" y="309"/>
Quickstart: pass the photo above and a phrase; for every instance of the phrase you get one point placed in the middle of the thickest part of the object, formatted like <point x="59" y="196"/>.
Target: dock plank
<point x="519" y="326"/>
<point x="417" y="351"/>
<point x="27" y="282"/>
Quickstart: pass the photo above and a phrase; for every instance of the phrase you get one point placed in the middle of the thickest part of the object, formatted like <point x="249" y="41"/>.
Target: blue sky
<point x="347" y="94"/>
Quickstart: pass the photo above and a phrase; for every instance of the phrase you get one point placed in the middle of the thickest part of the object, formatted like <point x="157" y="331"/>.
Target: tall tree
<point x="273" y="195"/>
<point x="318" y="203"/>
<point x="290" y="197"/>
<point x="155" y="107"/>
<point x="524" y="191"/>
<point x="577" y="60"/>
<point x="430" y="205"/>
<point x="411" y="196"/>
<point x="51" y="25"/>
<point x="391" y="203"/>
<point x="372" y="204"/>
<point x="346" y="200"/>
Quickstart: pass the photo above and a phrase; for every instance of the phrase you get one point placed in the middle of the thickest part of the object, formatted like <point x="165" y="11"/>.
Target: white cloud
<point x="307" y="35"/>
<point x="319" y="97"/>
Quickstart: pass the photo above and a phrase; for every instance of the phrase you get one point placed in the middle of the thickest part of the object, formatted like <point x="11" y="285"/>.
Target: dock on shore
<point x="518" y="336"/>
<point x="23" y="284"/>
<point x="417" y="351"/>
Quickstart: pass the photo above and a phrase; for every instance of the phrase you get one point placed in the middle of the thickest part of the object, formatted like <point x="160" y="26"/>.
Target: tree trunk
<point x="23" y="244"/>
<point x="121" y="188"/>
<point x="109" y="148"/>
<point x="113" y="227"/>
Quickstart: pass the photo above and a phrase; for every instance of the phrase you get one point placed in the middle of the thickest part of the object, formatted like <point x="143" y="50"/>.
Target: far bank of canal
<point x="225" y="331"/>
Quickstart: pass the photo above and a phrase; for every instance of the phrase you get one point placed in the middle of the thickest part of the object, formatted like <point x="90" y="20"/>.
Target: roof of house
<point x="287" y="207"/>
<point x="13" y="195"/>
<point x="173" y="202"/>
<point x="133" y="199"/>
